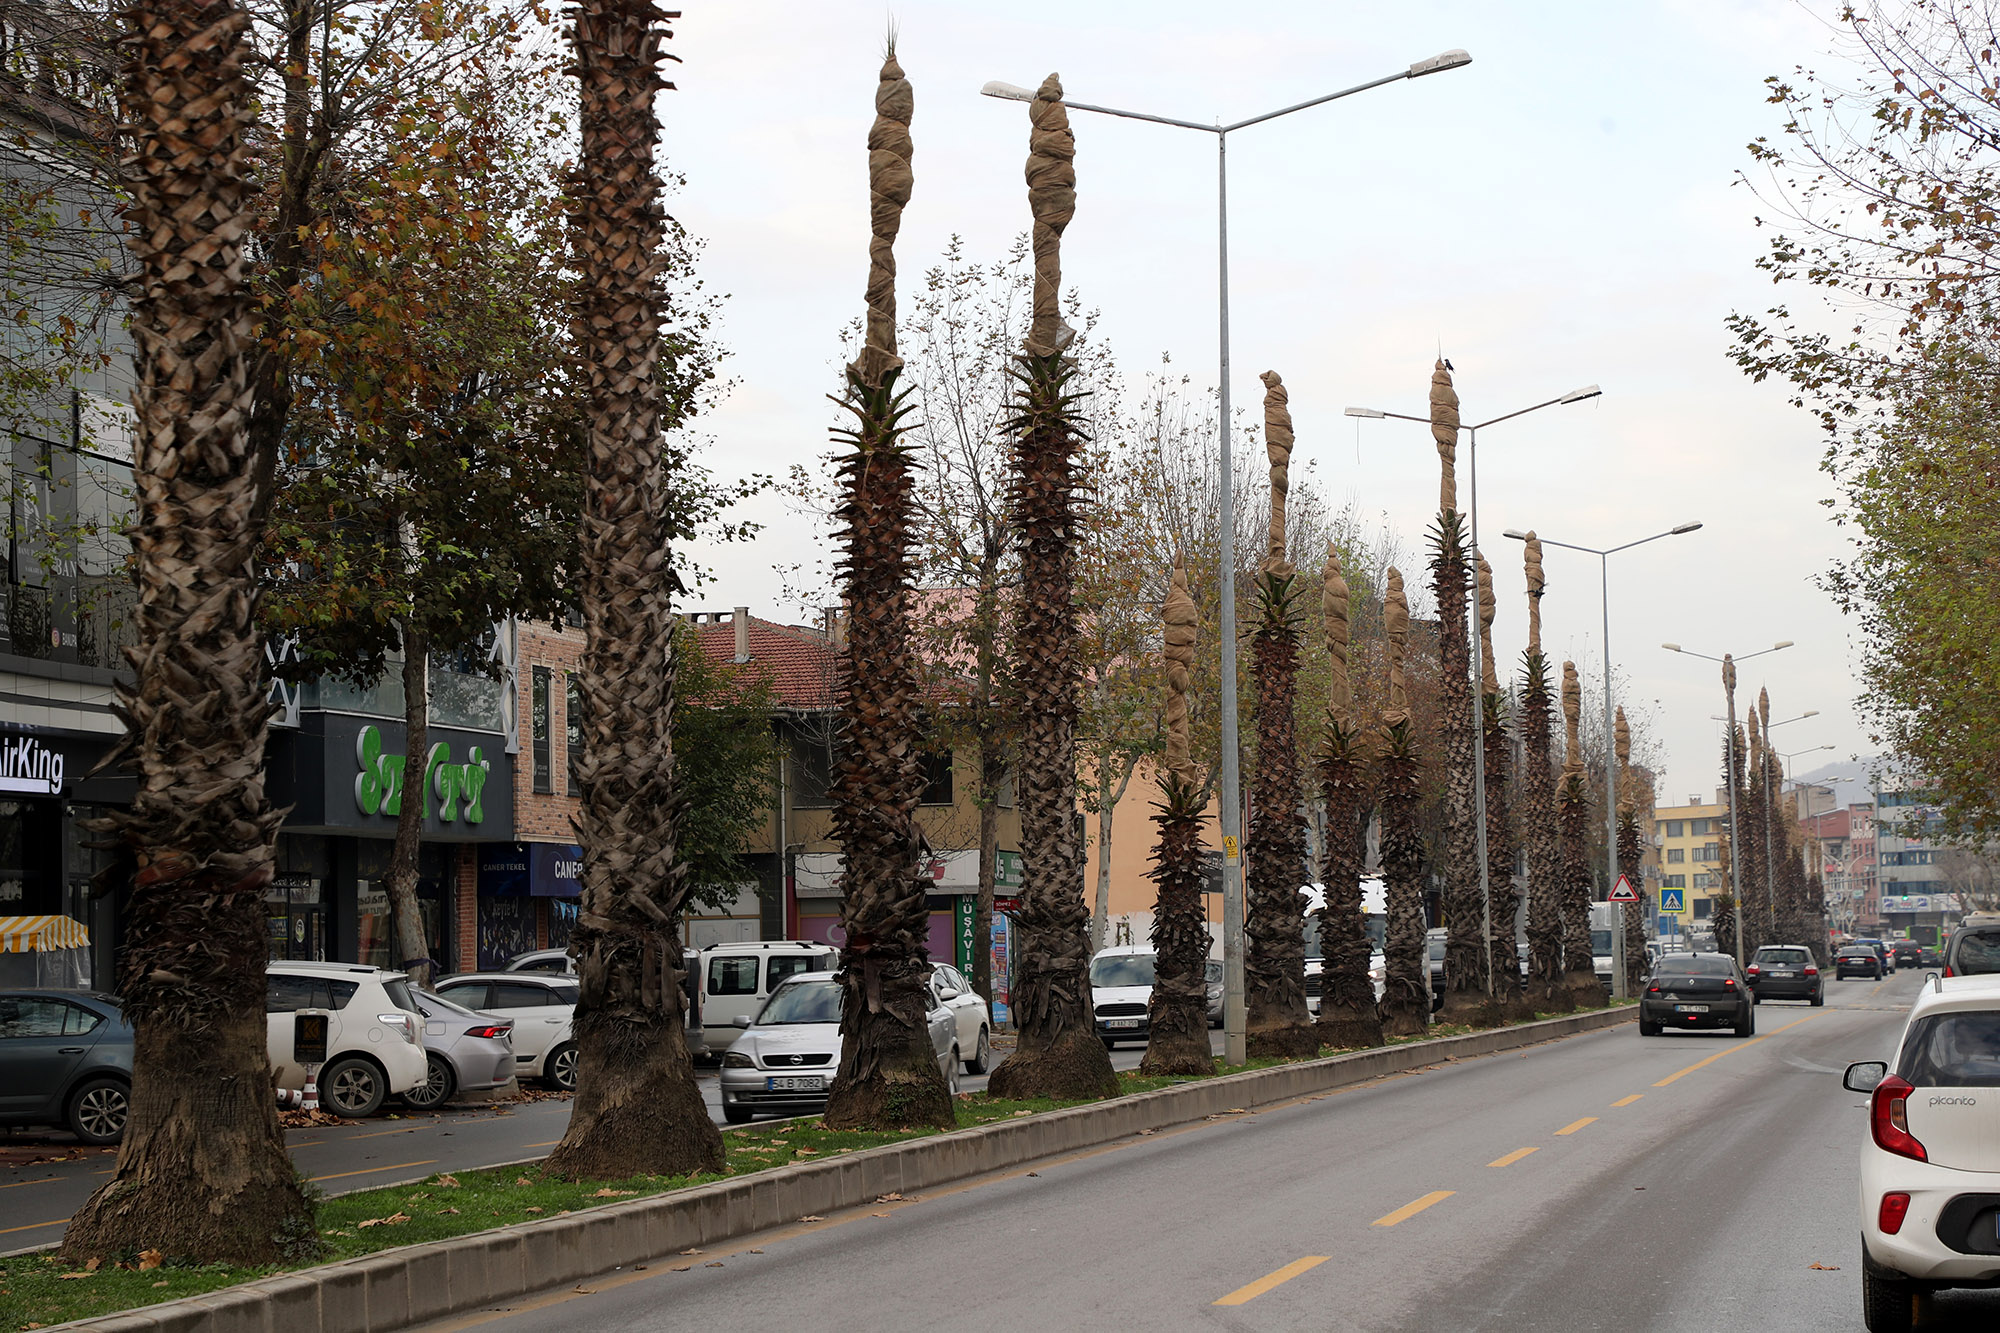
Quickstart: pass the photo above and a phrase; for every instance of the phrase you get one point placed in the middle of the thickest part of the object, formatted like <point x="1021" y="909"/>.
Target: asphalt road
<point x="37" y="1197"/>
<point x="1609" y="1181"/>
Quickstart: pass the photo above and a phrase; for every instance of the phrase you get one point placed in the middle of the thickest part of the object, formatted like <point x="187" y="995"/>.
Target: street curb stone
<point x="413" y="1284"/>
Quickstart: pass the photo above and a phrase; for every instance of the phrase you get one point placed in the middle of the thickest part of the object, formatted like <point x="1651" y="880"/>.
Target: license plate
<point x="1784" y="974"/>
<point x="1121" y="1022"/>
<point x="795" y="1083"/>
<point x="1690" y="1008"/>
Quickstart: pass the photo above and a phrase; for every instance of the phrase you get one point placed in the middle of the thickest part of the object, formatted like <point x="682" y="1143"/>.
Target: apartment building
<point x="1912" y="895"/>
<point x="1841" y="844"/>
<point x="1688" y="840"/>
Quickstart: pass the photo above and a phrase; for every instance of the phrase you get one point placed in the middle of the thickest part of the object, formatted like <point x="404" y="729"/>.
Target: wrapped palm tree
<point x="1722" y="919"/>
<point x="888" y="1076"/>
<point x="1406" y="981"/>
<point x="1177" y="1011"/>
<point x="1753" y="875"/>
<point x="203" y="1173"/>
<point x="1730" y="870"/>
<point x="1465" y="998"/>
<point x="1538" y="808"/>
<point x="1573" y="825"/>
<point x="1058" y="1053"/>
<point x="1347" y="1014"/>
<point x="1278" y="1022"/>
<point x="1630" y="850"/>
<point x="1510" y="1002"/>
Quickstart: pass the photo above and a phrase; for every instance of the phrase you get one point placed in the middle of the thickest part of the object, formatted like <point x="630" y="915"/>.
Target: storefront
<point x="46" y="865"/>
<point x="528" y="894"/>
<point x="954" y="878"/>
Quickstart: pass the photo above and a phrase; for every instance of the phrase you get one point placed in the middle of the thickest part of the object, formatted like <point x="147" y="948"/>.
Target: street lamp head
<point x="1782" y="643"/>
<point x="1516" y="534"/>
<point x="1373" y="414"/>
<point x="1671" y="647"/>
<point x="1578" y="395"/>
<point x="1438" y="63"/>
<point x="1686" y="527"/>
<point x="1810" y="712"/>
<point x="1013" y="92"/>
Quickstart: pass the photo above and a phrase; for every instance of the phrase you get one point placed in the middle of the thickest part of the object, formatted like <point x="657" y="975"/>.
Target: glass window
<point x="1122" y="969"/>
<point x="1674" y="828"/>
<point x="1700" y="965"/>
<point x="1673" y="881"/>
<point x="283" y="994"/>
<point x="24" y="1016"/>
<point x="1960" y="1050"/>
<point x="1783" y="957"/>
<point x="1676" y="856"/>
<point x="802" y="1002"/>
<point x="812" y="769"/>
<point x="732" y="976"/>
<point x="471" y="994"/>
<point x="399" y="995"/>
<point x="511" y="995"/>
<point x="538" y="705"/>
<point x="782" y="966"/>
<point x="79" y="1020"/>
<point x="1977" y="951"/>
<point x="336" y="994"/>
<point x="572" y="728"/>
<point x="937" y="779"/>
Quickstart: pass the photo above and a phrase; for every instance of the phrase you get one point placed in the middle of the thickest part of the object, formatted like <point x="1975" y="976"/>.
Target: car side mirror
<point x="947" y="993"/>
<point x="740" y="1021"/>
<point x="1865" y="1076"/>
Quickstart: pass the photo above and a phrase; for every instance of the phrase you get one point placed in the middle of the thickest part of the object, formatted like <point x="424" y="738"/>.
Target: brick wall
<point x="545" y="816"/>
<point x="466" y="908"/>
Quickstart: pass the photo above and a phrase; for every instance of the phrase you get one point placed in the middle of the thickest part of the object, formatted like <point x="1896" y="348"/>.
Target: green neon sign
<point x="378" y="788"/>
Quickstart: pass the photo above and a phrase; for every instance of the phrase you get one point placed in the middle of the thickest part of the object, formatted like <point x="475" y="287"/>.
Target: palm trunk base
<point x="1407" y="1016"/>
<point x="1554" y="997"/>
<point x="203" y="1168"/>
<point x="1466" y="1007"/>
<point x="637" y="1109"/>
<point x="1586" y="990"/>
<point x="903" y="1088"/>
<point x="1178" y="1041"/>
<point x="1350" y="1030"/>
<point x="1283" y="1041"/>
<point x="1074" y="1067"/>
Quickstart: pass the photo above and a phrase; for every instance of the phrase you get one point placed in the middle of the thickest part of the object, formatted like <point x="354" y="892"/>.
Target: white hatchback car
<point x="541" y="1004"/>
<point x="375" y="1035"/>
<point x="1930" y="1175"/>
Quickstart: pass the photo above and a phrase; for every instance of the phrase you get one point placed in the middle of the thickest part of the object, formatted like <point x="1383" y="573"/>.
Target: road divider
<point x="416" y="1284"/>
<point x="1244" y="1295"/>
<point x="1412" y="1208"/>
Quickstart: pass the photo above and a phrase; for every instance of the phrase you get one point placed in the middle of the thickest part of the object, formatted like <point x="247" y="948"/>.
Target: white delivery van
<point x="736" y="978"/>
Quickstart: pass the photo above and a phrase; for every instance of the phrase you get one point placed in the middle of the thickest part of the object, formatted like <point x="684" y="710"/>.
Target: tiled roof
<point x="800" y="660"/>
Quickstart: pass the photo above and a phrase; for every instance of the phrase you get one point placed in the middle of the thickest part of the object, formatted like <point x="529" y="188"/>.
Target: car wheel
<point x="982" y="1058"/>
<point x="1819" y="998"/>
<point x="560" y="1069"/>
<point x="951" y="1073"/>
<point x="1888" y="1305"/>
<point x="736" y="1115"/>
<point x="1748" y="1025"/>
<point x="98" y="1110"/>
<point x="439" y="1084"/>
<point x="1755" y="998"/>
<point x="1648" y="1028"/>
<point x="353" y="1087"/>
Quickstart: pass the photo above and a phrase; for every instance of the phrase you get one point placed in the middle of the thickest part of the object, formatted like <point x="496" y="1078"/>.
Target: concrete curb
<point x="394" y="1289"/>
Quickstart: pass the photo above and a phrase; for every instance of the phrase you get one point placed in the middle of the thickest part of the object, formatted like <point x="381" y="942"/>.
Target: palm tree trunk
<point x="1510" y="999"/>
<point x="637" y="1110"/>
<point x="1540" y="837"/>
<point x="1278" y="1022"/>
<point x="1579" y="960"/>
<point x="1630" y="851"/>
<point x="1348" y="1017"/>
<point x="1406" y="994"/>
<point x="1177" y="1011"/>
<point x="202" y="1174"/>
<point x="1465" y="997"/>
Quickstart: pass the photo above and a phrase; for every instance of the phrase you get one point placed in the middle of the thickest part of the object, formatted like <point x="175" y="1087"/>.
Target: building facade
<point x="1912" y="895"/>
<point x="1689" y="840"/>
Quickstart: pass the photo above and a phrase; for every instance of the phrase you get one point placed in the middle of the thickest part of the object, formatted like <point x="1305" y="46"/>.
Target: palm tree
<point x="1465" y="998"/>
<point x="1406" y="982"/>
<point x="1347" y="1014"/>
<point x="1510" y="1002"/>
<point x="888" y="1076"/>
<point x="1177" y="1010"/>
<point x="1278" y="1023"/>
<point x="1759" y="924"/>
<point x="1538" y="808"/>
<point x="1722" y="918"/>
<point x="1057" y="1052"/>
<point x="1573" y="825"/>
<point x="1630" y="851"/>
<point x="637" y="1110"/>
<point x="203" y="1174"/>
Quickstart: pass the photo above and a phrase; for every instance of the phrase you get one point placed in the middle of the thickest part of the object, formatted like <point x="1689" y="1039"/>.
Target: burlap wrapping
<point x="1572" y="718"/>
<point x="1179" y="618"/>
<point x="889" y="185"/>
<point x="1624" y="745"/>
<point x="1333" y="606"/>
<point x="1052" y="199"/>
<point x="1538" y="584"/>
<point x="1729" y="673"/>
<point x="1396" y="618"/>
<point x="1278" y="445"/>
<point x="1444" y="429"/>
<point x="1489" y="677"/>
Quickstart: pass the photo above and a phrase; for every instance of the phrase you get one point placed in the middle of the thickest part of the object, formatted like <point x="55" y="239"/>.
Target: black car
<point x="1785" y="972"/>
<point x="1908" y="953"/>
<point x="1974" y="947"/>
<point x="1932" y="957"/>
<point x="65" y="1059"/>
<point x="1701" y="990"/>
<point x="1857" y="960"/>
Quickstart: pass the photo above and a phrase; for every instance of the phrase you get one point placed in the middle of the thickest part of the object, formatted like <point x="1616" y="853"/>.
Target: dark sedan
<point x="1701" y="990"/>
<point x="65" y="1059"/>
<point x="1907" y="953"/>
<point x="1785" y="972"/>
<point x="1857" y="960"/>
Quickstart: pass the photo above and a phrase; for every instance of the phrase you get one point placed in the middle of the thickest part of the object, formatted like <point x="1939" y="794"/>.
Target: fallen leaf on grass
<point x="449" y="1182"/>
<point x="608" y="1193"/>
<point x="444" y="1211"/>
<point x="1019" y="1114"/>
<point x="531" y="1209"/>
<point x="161" y="1283"/>
<point x="779" y="1143"/>
<point x="393" y="1220"/>
<point x="806" y="1152"/>
<point x="522" y="1180"/>
<point x="92" y="1264"/>
<point x="64" y="1277"/>
<point x="150" y="1259"/>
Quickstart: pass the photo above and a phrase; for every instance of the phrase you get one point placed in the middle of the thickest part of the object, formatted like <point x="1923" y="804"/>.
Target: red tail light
<point x="490" y="1030"/>
<point x="1752" y="969"/>
<point x="1811" y="970"/>
<point x="1947" y="969"/>
<point x="1729" y="983"/>
<point x="1895" y="1207"/>
<point x="1889" y="1120"/>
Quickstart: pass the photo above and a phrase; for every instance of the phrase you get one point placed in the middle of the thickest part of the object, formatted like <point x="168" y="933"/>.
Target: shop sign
<point x="29" y="767"/>
<point x="379" y="786"/>
<point x="962" y="910"/>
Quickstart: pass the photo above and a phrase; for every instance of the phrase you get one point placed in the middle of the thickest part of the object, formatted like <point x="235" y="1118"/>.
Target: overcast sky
<point x="1562" y="212"/>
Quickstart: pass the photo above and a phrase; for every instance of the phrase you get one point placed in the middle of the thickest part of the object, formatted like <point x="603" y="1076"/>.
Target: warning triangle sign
<point x="1624" y="893"/>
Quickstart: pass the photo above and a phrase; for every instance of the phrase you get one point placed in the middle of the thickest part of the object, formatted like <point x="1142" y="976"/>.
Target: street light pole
<point x="1729" y="778"/>
<point x="1473" y="656"/>
<point x="1610" y="738"/>
<point x="1234" y="1014"/>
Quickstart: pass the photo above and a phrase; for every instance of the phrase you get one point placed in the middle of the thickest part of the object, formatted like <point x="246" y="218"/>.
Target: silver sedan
<point x="785" y="1061"/>
<point x="464" y="1051"/>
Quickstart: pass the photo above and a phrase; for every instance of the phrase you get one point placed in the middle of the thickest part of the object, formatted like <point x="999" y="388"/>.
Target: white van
<point x="736" y="979"/>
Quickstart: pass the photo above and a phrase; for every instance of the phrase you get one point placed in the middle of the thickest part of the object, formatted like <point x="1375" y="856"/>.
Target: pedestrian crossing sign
<point x="1673" y="901"/>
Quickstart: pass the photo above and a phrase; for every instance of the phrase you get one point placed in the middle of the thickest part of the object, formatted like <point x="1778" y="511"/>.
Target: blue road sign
<point x="1673" y="900"/>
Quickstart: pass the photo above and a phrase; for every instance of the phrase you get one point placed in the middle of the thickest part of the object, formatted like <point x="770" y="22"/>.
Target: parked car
<point x="970" y="1015"/>
<point x="374" y="1041"/>
<point x="1121" y="984"/>
<point x="1973" y="947"/>
<point x="65" y="1059"/>
<point x="1434" y="945"/>
<point x="540" y="1006"/>
<point x="783" y="1061"/>
<point x="1857" y="960"/>
<point x="1907" y="953"/>
<point x="1700" y="990"/>
<point x="464" y="1051"/>
<point x="1932" y="957"/>
<point x="1213" y="979"/>
<point x="734" y="980"/>
<point x="1927" y="1171"/>
<point x="1785" y="972"/>
<point x="1315" y="983"/>
<point x="543" y="960"/>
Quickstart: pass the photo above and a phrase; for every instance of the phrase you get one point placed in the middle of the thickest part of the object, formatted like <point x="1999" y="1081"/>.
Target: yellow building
<point x="1688" y="842"/>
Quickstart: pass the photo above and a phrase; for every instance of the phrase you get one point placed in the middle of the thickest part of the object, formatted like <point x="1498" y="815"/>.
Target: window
<point x="1673" y="881"/>
<point x="732" y="976"/>
<point x="1699" y="827"/>
<point x="514" y="995"/>
<point x="1960" y="1050"/>
<point x="789" y="966"/>
<point x="471" y="994"/>
<point x="283" y="994"/>
<point x="538" y="706"/>
<point x="28" y="1017"/>
<point x="1704" y="881"/>
<point x="1127" y="969"/>
<point x="811" y="769"/>
<point x="1676" y="856"/>
<point x="1673" y="828"/>
<point x="937" y="779"/>
<point x="572" y="728"/>
<point x="1702" y="909"/>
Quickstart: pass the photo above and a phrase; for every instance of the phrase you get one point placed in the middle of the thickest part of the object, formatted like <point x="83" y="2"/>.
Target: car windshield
<point x="1784" y="957"/>
<point x="1857" y="953"/>
<point x="1978" y="951"/>
<point x="1437" y="950"/>
<point x="1122" y="969"/>
<point x="1600" y="941"/>
<point x="1697" y="965"/>
<point x="802" y="1002"/>
<point x="1960" y="1050"/>
<point x="1213" y="972"/>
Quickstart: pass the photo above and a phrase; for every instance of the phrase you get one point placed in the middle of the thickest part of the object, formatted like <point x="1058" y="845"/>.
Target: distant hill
<point x="1855" y="785"/>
